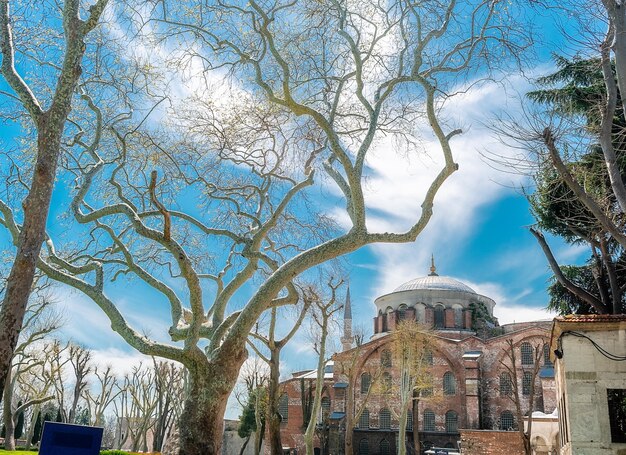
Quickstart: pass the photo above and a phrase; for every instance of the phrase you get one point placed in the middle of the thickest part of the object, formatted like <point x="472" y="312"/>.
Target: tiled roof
<point x="591" y="318"/>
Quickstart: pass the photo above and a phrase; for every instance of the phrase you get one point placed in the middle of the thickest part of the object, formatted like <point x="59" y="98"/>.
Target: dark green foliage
<point x="113" y="452"/>
<point x="577" y="90"/>
<point x="306" y="397"/>
<point x="37" y="430"/>
<point x="19" y="425"/>
<point x="3" y="432"/>
<point x="59" y="417"/>
<point x="247" y="419"/>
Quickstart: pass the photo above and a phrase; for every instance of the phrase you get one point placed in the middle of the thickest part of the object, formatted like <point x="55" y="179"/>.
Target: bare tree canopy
<point x="208" y="205"/>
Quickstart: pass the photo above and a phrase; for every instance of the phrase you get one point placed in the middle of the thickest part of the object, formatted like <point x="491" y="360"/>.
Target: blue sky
<point x="478" y="233"/>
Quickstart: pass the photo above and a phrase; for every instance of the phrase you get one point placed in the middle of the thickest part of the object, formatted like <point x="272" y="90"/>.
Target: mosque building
<point x="472" y="388"/>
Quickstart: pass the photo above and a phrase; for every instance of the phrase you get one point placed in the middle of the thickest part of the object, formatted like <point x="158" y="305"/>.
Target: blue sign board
<point x="65" y="439"/>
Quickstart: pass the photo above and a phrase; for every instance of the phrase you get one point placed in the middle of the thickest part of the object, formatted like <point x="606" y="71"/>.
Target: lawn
<point x="18" y="452"/>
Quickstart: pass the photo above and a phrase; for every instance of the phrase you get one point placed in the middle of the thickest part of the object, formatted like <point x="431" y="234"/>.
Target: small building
<point x="589" y="352"/>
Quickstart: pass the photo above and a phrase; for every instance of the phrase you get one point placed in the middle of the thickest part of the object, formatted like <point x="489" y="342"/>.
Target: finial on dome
<point x="433" y="269"/>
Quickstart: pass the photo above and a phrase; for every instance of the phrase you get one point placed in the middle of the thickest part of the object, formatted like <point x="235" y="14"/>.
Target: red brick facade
<point x="489" y="442"/>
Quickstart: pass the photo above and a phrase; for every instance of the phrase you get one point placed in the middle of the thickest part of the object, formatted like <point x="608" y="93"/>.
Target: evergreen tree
<point x="38" y="427"/>
<point x="59" y="417"/>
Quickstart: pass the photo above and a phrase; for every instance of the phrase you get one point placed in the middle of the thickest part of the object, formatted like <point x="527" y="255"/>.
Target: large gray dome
<point x="437" y="282"/>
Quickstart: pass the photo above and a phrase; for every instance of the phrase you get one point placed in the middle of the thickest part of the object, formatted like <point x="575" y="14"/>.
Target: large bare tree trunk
<point x="7" y="417"/>
<point x="50" y="125"/>
<point x="202" y="419"/>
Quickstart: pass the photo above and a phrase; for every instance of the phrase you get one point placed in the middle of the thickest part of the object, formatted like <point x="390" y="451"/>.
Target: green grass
<point x="18" y="452"/>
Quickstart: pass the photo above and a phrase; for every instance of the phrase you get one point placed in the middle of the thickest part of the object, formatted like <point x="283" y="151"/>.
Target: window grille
<point x="507" y="421"/>
<point x="385" y="448"/>
<point x="409" y="420"/>
<point x="364" y="448"/>
<point x="401" y="312"/>
<point x="506" y="386"/>
<point x="364" y="420"/>
<point x="452" y="422"/>
<point x="449" y="384"/>
<point x="325" y="407"/>
<point x="527" y="354"/>
<point x="439" y="317"/>
<point x="429" y="420"/>
<point x="385" y="358"/>
<point x="526" y="383"/>
<point x="428" y="358"/>
<point x="546" y="355"/>
<point x="384" y="419"/>
<point x="283" y="407"/>
<point x="366" y="381"/>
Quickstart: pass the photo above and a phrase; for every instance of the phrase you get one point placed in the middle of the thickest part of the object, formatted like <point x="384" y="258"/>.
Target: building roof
<point x="435" y="282"/>
<point x="578" y="318"/>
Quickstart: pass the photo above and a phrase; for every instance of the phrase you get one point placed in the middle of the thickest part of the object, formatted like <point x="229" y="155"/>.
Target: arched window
<point x="507" y="421"/>
<point x="409" y="420"/>
<point x="325" y="407"/>
<point x="439" y="317"/>
<point x="452" y="422"/>
<point x="426" y="392"/>
<point x="364" y="420"/>
<point x="506" y="386"/>
<point x="283" y="407"/>
<point x="429" y="420"/>
<point x="387" y="382"/>
<point x="449" y="384"/>
<point x="385" y="448"/>
<point x="546" y="355"/>
<point x="364" y="448"/>
<point x="526" y="383"/>
<point x="385" y="358"/>
<point x="384" y="419"/>
<point x="527" y="353"/>
<point x="384" y="317"/>
<point x="366" y="381"/>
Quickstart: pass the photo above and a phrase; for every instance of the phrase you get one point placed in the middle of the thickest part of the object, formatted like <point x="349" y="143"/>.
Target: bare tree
<point x="108" y="391"/>
<point x="319" y="96"/>
<point x="322" y="315"/>
<point x="79" y="358"/>
<point x="275" y="346"/>
<point x="523" y="406"/>
<point x="170" y="382"/>
<point x="49" y="124"/>
<point x="29" y="380"/>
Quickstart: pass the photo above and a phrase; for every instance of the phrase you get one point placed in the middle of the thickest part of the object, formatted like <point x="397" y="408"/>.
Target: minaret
<point x="347" y="339"/>
<point x="433" y="269"/>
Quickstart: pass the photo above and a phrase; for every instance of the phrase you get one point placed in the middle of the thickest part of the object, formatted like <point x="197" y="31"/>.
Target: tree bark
<point x="273" y="418"/>
<point x="210" y="384"/>
<point x="7" y="417"/>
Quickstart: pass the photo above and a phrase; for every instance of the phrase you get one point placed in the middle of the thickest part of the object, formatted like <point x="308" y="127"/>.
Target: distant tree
<point x="37" y="427"/>
<point x="19" y="425"/>
<point x="523" y="392"/>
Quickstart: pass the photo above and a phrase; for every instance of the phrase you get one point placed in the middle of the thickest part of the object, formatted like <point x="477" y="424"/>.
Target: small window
<point x="452" y="422"/>
<point x="427" y="392"/>
<point x="409" y="420"/>
<point x="384" y="419"/>
<point x="283" y="408"/>
<point x="325" y="407"/>
<point x="364" y="420"/>
<point x="506" y="386"/>
<point x="526" y="383"/>
<point x="527" y="354"/>
<point x="385" y="358"/>
<point x="429" y="420"/>
<point x="546" y="355"/>
<point x="507" y="421"/>
<point x="449" y="384"/>
<point x="617" y="414"/>
<point x="385" y="448"/>
<point x="366" y="381"/>
<point x="364" y="448"/>
<point x="385" y="326"/>
<point x="401" y="312"/>
<point x="439" y="317"/>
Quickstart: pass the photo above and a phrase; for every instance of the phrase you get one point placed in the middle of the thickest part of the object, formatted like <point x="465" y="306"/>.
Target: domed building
<point x="469" y="361"/>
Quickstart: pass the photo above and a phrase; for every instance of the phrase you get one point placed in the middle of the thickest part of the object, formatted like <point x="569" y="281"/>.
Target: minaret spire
<point x="347" y="339"/>
<point x="433" y="269"/>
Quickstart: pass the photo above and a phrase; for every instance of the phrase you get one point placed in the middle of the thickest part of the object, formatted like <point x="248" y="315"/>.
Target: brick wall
<point x="487" y="442"/>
